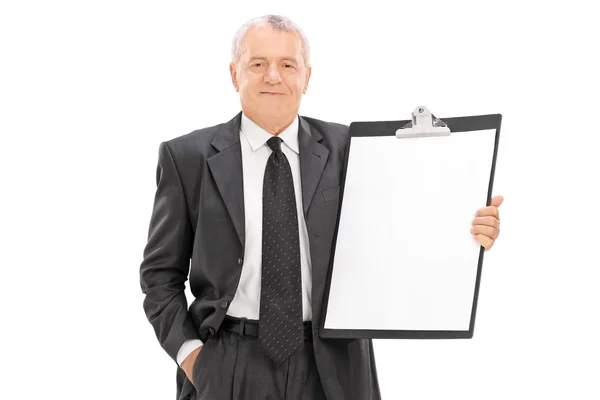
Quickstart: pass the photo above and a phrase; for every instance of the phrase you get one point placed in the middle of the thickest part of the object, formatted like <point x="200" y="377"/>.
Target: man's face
<point x="270" y="75"/>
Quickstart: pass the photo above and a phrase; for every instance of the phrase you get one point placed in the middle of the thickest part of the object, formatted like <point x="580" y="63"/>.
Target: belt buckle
<point x="242" y="326"/>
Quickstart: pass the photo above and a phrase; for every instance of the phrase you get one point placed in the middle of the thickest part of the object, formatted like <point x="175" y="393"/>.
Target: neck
<point x="272" y="125"/>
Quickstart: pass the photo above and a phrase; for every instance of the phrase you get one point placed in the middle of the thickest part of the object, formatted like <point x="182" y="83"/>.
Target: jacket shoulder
<point x="334" y="133"/>
<point x="193" y="143"/>
<point x="327" y="126"/>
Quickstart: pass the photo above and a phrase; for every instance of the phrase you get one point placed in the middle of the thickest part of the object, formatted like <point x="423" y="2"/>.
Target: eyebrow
<point x="282" y="58"/>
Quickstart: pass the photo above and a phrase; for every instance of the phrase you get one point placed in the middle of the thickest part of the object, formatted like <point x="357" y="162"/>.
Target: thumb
<point x="496" y="201"/>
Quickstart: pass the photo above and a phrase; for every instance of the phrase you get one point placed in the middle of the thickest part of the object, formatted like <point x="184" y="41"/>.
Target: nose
<point x="272" y="75"/>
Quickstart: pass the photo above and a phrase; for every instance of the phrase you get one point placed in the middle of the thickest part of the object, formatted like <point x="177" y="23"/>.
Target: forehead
<point x="268" y="43"/>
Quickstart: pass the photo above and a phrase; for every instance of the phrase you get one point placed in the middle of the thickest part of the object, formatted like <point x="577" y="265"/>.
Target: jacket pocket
<point x="331" y="194"/>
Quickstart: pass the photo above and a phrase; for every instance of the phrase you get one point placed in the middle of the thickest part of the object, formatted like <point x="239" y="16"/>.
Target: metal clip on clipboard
<point x="423" y="124"/>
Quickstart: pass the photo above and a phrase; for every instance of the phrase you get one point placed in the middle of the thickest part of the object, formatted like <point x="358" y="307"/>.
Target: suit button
<point x="211" y="330"/>
<point x="240" y="261"/>
<point x="224" y="304"/>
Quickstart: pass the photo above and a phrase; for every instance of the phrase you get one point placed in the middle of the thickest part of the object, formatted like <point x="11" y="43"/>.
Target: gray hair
<point x="276" y="22"/>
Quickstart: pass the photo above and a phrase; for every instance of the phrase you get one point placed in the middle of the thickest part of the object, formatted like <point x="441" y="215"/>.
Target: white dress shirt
<point x="255" y="153"/>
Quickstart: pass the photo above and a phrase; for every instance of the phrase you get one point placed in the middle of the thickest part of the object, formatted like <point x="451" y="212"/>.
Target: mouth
<point x="272" y="93"/>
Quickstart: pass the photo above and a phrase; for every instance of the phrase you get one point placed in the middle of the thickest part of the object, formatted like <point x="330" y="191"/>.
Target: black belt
<point x="245" y="327"/>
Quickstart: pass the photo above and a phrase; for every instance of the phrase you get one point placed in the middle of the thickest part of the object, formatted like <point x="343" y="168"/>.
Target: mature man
<point x="253" y="202"/>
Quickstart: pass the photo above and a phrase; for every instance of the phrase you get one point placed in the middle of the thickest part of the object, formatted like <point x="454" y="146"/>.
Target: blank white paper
<point x="405" y="258"/>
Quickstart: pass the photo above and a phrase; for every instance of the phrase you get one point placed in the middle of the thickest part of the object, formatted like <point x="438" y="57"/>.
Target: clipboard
<point x="393" y="272"/>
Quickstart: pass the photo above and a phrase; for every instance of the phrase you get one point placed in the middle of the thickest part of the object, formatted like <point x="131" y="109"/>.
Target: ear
<point x="233" y="72"/>
<point x="308" y="72"/>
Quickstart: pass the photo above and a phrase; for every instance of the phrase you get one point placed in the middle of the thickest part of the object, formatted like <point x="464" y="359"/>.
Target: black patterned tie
<point x="280" y="323"/>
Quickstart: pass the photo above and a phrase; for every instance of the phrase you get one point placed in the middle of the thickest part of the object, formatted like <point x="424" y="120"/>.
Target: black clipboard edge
<point x="388" y="128"/>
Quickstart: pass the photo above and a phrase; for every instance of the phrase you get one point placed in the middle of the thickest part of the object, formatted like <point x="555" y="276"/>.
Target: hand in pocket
<point x="188" y="364"/>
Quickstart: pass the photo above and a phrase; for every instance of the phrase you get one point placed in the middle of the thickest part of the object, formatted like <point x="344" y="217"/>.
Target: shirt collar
<point x="257" y="136"/>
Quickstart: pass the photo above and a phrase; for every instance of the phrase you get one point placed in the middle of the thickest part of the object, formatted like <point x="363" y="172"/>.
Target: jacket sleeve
<point x="166" y="258"/>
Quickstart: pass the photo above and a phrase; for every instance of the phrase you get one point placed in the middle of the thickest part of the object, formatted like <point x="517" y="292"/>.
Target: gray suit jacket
<point x="198" y="214"/>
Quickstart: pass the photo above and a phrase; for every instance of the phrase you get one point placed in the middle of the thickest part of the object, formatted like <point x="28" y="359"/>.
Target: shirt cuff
<point x="186" y="348"/>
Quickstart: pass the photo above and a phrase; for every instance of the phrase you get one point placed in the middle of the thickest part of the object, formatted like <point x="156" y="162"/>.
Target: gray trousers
<point x="233" y="367"/>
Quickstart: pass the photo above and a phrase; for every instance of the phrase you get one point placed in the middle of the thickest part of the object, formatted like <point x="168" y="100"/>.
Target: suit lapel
<point x="313" y="158"/>
<point x="226" y="168"/>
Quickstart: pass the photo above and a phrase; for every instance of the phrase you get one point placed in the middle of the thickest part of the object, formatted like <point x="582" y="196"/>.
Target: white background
<point x="91" y="88"/>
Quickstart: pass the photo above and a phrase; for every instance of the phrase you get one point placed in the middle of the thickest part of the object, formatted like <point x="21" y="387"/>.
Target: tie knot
<point x="275" y="144"/>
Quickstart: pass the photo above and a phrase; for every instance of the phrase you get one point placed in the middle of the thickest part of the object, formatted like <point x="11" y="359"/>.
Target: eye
<point x="289" y="66"/>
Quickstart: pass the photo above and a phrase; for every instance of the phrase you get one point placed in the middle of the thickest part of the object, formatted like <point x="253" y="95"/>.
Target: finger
<point x="488" y="211"/>
<point x="484" y="241"/>
<point x="496" y="201"/>
<point x="488" y="231"/>
<point x="488" y="221"/>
